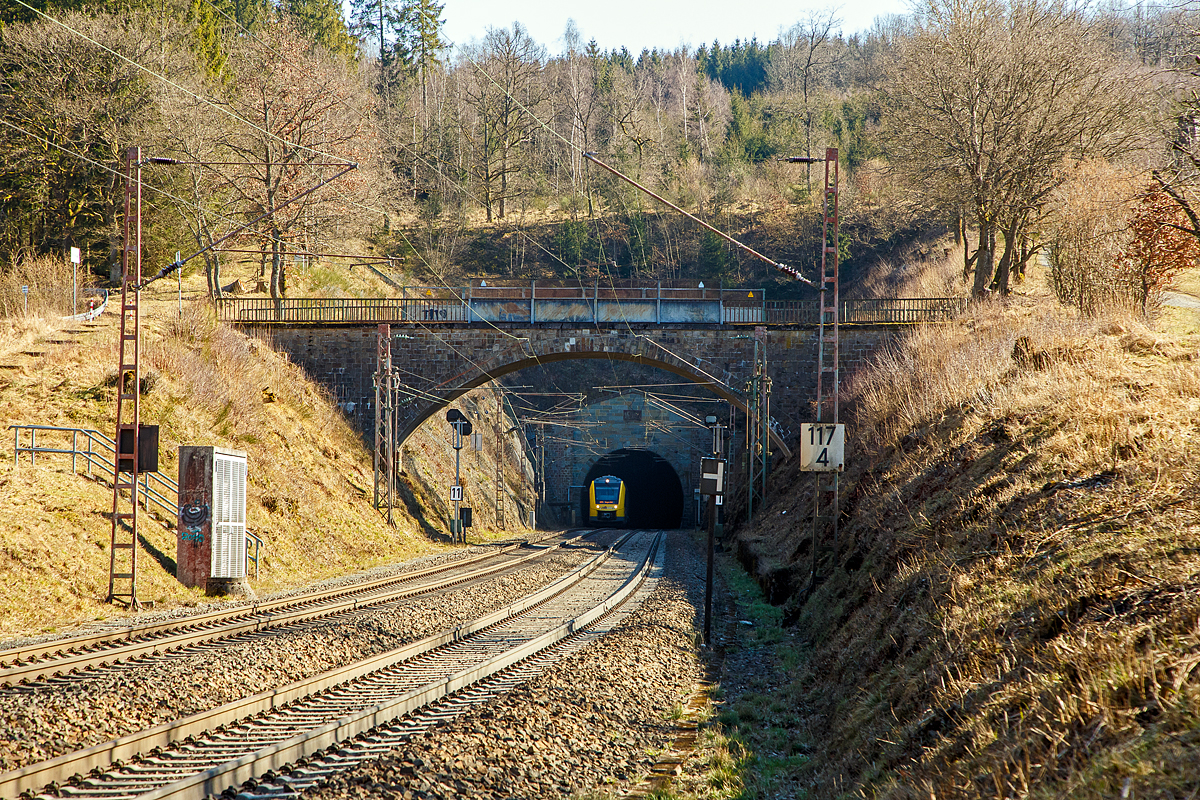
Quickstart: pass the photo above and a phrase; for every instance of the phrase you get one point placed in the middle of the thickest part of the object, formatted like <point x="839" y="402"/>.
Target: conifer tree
<point x="374" y="23"/>
<point x="321" y="22"/>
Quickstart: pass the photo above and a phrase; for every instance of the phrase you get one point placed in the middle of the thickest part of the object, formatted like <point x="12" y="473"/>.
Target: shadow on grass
<point x="164" y="561"/>
<point x="417" y="512"/>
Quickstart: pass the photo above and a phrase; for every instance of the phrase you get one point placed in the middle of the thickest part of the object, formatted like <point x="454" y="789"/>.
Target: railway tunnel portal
<point x="654" y="449"/>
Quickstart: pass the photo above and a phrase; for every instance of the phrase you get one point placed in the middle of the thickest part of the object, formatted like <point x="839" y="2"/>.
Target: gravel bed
<point x="46" y="719"/>
<point x="181" y="613"/>
<point x="592" y="722"/>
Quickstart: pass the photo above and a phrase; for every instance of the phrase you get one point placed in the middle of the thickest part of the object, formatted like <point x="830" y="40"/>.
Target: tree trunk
<point x="277" y="280"/>
<point x="1023" y="260"/>
<point x="985" y="257"/>
<point x="503" y="184"/>
<point x="967" y="259"/>
<point x="1003" y="271"/>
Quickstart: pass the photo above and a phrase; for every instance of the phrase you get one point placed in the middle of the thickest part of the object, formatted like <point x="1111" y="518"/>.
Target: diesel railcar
<point x="606" y="498"/>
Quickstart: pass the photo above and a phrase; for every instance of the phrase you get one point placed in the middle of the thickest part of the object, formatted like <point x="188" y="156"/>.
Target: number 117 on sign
<point x="822" y="447"/>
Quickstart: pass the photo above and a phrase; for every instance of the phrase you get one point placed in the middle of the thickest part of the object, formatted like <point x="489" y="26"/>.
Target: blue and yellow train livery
<point x="606" y="498"/>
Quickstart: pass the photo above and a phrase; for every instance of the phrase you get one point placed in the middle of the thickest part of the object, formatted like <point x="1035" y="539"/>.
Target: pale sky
<point x="636" y="24"/>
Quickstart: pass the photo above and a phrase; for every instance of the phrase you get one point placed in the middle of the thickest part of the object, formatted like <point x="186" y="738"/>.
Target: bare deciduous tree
<point x="991" y="98"/>
<point x="305" y="110"/>
<point x="805" y="52"/>
<point x="504" y="89"/>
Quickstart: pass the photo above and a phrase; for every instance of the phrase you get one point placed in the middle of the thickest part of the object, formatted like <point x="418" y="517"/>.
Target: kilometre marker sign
<point x="822" y="447"/>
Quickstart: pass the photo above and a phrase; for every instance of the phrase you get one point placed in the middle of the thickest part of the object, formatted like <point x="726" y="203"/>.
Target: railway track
<point x="278" y="732"/>
<point x="63" y="656"/>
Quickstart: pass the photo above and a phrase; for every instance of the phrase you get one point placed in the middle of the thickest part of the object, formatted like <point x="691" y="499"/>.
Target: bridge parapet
<point x="449" y="341"/>
<point x="600" y="306"/>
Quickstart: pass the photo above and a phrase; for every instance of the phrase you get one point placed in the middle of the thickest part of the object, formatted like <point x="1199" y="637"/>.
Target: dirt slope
<point x="310" y="477"/>
<point x="1015" y="607"/>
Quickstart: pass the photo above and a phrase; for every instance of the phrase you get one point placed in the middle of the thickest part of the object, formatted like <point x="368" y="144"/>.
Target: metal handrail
<point x="259" y="547"/>
<point x="100" y="453"/>
<point x="163" y="492"/>
<point x="523" y="304"/>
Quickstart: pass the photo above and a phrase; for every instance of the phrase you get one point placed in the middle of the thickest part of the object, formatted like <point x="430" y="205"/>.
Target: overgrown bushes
<point x="1114" y="244"/>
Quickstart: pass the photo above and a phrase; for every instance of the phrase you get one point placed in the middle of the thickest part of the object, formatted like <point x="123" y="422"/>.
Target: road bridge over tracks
<point x="449" y="341"/>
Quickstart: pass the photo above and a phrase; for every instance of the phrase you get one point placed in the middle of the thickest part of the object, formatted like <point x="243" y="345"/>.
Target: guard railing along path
<point x="156" y="492"/>
<point x="533" y="303"/>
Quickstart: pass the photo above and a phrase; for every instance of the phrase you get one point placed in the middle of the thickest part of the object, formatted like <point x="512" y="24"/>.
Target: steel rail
<point x="312" y="770"/>
<point x="64" y="645"/>
<point x="56" y="771"/>
<point x="226" y="623"/>
<point x="233" y="772"/>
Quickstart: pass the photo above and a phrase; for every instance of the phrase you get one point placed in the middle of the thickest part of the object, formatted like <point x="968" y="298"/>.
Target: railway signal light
<point x="462" y="427"/>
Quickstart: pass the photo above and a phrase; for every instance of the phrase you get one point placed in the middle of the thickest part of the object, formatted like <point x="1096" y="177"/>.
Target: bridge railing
<point x="534" y="304"/>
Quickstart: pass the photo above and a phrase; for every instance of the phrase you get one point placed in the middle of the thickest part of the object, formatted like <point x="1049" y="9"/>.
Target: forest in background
<point x="967" y="119"/>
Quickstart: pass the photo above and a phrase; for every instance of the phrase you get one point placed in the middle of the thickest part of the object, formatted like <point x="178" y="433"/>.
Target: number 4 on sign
<point x="822" y="447"/>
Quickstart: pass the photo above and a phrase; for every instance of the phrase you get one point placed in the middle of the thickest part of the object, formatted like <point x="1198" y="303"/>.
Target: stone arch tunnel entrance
<point x="653" y="491"/>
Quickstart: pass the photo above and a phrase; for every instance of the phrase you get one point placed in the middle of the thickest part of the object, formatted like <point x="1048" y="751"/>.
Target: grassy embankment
<point x="1016" y="607"/>
<point x="310" y="477"/>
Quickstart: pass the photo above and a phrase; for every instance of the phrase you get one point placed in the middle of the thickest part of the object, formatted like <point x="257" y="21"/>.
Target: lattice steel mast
<point x="758" y="428"/>
<point x="385" y="422"/>
<point x="122" y="569"/>
<point x="825" y="488"/>
<point x="501" y="451"/>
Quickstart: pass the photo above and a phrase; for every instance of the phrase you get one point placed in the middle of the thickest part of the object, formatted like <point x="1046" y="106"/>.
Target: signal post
<point x="712" y="483"/>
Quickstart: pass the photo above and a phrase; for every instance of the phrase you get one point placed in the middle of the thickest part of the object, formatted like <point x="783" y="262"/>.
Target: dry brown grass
<point x="49" y="282"/>
<point x="310" y="477"/>
<point x="1017" y="609"/>
<point x="937" y="274"/>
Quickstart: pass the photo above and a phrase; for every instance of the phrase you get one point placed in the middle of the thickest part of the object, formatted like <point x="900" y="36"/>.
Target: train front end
<point x="606" y="496"/>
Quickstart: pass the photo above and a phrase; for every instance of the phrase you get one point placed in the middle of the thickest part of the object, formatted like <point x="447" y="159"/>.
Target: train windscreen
<point x="608" y="492"/>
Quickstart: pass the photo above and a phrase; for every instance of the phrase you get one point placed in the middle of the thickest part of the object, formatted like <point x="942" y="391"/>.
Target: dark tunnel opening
<point x="653" y="493"/>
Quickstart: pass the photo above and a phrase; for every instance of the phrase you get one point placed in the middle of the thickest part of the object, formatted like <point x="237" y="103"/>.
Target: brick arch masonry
<point x="624" y="422"/>
<point x="439" y="365"/>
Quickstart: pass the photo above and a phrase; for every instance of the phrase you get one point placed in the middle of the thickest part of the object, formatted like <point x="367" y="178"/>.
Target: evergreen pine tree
<point x="373" y="23"/>
<point x="421" y="33"/>
<point x="206" y="34"/>
<point x="321" y="22"/>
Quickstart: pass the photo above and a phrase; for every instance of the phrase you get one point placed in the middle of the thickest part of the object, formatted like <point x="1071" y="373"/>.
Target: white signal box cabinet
<point x="822" y="447"/>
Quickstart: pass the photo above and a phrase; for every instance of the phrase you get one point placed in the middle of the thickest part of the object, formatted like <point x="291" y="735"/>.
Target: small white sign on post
<point x="76" y="260"/>
<point x="455" y="494"/>
<point x="477" y="441"/>
<point x="822" y="447"/>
